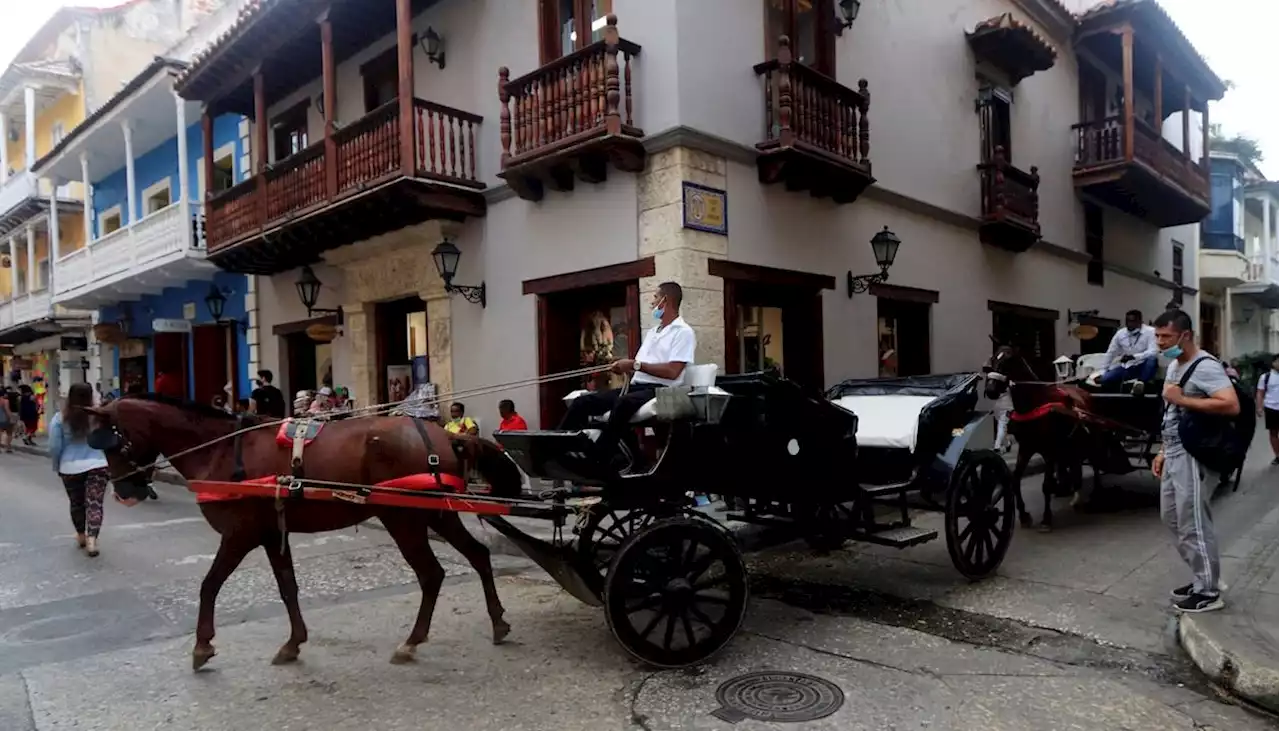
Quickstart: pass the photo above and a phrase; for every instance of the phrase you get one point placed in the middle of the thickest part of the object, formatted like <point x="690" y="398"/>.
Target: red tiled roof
<point x="1006" y="21"/>
<point x="1108" y="6"/>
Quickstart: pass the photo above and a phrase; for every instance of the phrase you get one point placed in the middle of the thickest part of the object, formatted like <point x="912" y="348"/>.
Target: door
<point x="903" y="334"/>
<point x="171" y="357"/>
<point x="581" y="327"/>
<point x="1209" y="327"/>
<point x="209" y="366"/>
<point x="400" y="328"/>
<point x="301" y="352"/>
<point x="1033" y="336"/>
<point x="774" y="326"/>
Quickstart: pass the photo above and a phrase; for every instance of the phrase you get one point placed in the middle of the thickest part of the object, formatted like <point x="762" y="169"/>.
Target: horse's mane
<point x="190" y="407"/>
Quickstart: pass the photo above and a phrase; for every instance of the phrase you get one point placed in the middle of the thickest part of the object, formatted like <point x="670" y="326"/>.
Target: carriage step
<point x="898" y="537"/>
<point x="889" y="489"/>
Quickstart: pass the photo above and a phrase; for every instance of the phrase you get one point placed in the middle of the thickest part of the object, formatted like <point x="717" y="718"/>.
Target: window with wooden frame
<point x="289" y="130"/>
<point x="1177" y="271"/>
<point x="565" y="26"/>
<point x="380" y="78"/>
<point x="809" y="25"/>
<point x="995" y="107"/>
<point x="1093" y="243"/>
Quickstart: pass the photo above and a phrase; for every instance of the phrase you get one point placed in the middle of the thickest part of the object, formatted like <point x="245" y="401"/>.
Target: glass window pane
<point x="599" y="10"/>
<point x="568" y="36"/>
<point x="804" y="45"/>
<point x="775" y="19"/>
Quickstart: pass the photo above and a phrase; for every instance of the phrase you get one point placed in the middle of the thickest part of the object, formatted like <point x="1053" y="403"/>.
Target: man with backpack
<point x="1198" y="429"/>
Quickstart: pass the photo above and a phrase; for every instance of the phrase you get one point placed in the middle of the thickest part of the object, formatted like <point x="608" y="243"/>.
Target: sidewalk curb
<point x="168" y="477"/>
<point x="1254" y="682"/>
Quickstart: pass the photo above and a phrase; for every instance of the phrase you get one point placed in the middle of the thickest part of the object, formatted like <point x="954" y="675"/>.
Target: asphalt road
<point x="1072" y="634"/>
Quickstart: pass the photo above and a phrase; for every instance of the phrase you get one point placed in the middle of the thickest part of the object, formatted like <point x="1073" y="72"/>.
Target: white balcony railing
<point x="1263" y="269"/>
<point x="18" y="188"/>
<point x="165" y="232"/>
<point x="6" y="315"/>
<point x="31" y="307"/>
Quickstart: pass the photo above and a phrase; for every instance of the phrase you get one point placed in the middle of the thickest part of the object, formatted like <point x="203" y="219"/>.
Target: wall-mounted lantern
<point x="446" y="257"/>
<point x="308" y="286"/>
<point x="848" y="10"/>
<point x="125" y="320"/>
<point x="884" y="245"/>
<point x="216" y="302"/>
<point x="433" y="45"/>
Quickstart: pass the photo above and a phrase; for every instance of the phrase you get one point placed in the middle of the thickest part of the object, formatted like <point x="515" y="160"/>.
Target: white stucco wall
<point x="278" y="303"/>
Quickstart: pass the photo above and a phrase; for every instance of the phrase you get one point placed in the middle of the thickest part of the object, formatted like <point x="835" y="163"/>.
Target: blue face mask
<point x="658" y="312"/>
<point x="1172" y="352"/>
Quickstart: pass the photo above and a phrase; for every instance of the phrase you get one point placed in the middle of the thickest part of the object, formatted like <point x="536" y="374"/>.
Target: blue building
<point x="1239" y="262"/>
<point x="159" y="305"/>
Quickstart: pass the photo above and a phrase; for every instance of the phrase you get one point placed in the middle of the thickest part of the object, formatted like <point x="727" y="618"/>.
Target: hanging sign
<point x="189" y="310"/>
<point x="322" y="332"/>
<point x="706" y="209"/>
<point x="170" y="325"/>
<point x="1085" y="332"/>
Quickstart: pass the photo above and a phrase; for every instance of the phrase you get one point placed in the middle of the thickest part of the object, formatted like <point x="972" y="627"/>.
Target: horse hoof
<point x="1046" y="528"/>
<point x="500" y="631"/>
<point x="201" y="656"/>
<point x="285" y="656"/>
<point x="404" y="655"/>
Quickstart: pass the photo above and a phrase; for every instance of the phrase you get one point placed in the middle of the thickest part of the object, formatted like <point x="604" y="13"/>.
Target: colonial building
<point x="1239" y="261"/>
<point x="69" y="68"/>
<point x="482" y="192"/>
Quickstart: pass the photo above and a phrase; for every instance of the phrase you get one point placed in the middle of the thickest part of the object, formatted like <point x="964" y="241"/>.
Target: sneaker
<point x="1182" y="592"/>
<point x="1200" y="603"/>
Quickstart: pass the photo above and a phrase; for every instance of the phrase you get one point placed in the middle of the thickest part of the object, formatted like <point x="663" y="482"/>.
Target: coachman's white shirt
<point x="1140" y="345"/>
<point x="674" y="343"/>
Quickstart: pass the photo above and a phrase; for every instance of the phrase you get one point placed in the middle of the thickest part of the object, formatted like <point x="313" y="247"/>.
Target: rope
<point x="384" y="409"/>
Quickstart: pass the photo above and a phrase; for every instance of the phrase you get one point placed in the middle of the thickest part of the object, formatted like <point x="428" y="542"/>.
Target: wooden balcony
<point x="570" y="118"/>
<point x="1010" y="204"/>
<point x="352" y="187"/>
<point x="1149" y="178"/>
<point x="817" y="137"/>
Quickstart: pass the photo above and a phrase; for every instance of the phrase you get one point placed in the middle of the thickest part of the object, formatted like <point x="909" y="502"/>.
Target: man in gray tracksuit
<point x="1184" y="500"/>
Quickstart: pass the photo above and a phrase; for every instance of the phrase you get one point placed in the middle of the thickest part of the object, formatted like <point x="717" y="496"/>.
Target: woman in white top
<point x="82" y="468"/>
<point x="1269" y="405"/>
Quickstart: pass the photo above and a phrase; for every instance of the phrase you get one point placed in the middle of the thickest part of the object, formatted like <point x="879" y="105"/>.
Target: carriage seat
<point x="889" y="421"/>
<point x="695" y="375"/>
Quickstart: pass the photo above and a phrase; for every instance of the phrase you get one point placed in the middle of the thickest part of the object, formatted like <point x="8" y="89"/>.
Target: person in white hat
<point x="323" y="401"/>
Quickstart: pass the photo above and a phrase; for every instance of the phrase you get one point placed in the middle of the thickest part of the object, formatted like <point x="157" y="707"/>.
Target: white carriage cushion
<point x="886" y="421"/>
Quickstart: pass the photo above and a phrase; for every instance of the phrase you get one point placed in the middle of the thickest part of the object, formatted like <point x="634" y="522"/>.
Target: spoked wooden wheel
<point x="980" y="513"/>
<point x="676" y="592"/>
<point x="603" y="533"/>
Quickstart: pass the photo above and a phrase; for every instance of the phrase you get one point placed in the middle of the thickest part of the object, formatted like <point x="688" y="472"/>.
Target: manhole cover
<point x="777" y="697"/>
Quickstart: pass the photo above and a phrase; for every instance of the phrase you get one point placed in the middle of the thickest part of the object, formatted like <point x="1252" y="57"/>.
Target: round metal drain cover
<point x="777" y="697"/>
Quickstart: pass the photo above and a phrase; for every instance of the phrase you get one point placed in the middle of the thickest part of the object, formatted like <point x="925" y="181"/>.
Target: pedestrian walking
<point x="1195" y="382"/>
<point x="8" y="419"/>
<point x="82" y="468"/>
<point x="1269" y="406"/>
<point x="29" y="413"/>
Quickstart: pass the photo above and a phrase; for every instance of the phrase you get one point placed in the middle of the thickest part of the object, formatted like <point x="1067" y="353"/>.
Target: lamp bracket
<point x="862" y="283"/>
<point x="473" y="294"/>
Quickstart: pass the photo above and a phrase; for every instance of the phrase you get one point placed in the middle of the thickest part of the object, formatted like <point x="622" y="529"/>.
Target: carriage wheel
<point x="980" y="513"/>
<point x="603" y="533"/>
<point x="676" y="592"/>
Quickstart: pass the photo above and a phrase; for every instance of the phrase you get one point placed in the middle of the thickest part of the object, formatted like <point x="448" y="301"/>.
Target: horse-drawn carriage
<point x="850" y="466"/>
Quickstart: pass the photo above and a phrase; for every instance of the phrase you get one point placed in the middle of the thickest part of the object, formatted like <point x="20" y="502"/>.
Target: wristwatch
<point x="635" y="366"/>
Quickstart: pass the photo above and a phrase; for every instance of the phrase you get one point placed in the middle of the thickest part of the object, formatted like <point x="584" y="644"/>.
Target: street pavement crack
<point x="843" y="656"/>
<point x="638" y="718"/>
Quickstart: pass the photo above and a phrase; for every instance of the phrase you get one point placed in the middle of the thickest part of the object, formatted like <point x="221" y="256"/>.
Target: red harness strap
<point x="1037" y="412"/>
<point x="270" y="486"/>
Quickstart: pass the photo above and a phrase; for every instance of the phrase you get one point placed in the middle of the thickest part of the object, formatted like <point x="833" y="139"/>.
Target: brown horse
<point x="1042" y="424"/>
<point x="134" y="431"/>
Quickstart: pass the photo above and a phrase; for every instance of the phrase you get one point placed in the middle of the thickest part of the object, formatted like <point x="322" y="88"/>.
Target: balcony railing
<point x="366" y="152"/>
<point x="6" y="314"/>
<point x="128" y="249"/>
<point x="19" y="187"/>
<point x="31" y="307"/>
<point x="578" y="97"/>
<point x="1010" y="192"/>
<point x="1102" y="142"/>
<point x="1264" y="269"/>
<point x="804" y="106"/>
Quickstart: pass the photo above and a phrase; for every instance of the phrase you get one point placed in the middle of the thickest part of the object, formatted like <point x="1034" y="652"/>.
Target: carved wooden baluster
<point x="540" y="104"/>
<point x="786" y="136"/>
<point x="444" y="161"/>
<point x="626" y="60"/>
<point x="597" y="91"/>
<point x="864" y="127"/>
<point x="455" y="165"/>
<point x="1034" y="198"/>
<point x="612" y="86"/>
<point x="471" y="150"/>
<point x="768" y="104"/>
<point x="998" y="164"/>
<point x="431" y="139"/>
<point x="504" y="116"/>
<point x="418" y="154"/>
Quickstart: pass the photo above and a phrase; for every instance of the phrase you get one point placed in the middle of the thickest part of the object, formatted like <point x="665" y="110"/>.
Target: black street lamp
<point x="308" y="286"/>
<point x="216" y="302"/>
<point x="884" y="245"/>
<point x="125" y="320"/>
<point x="433" y="45"/>
<point x="848" y="13"/>
<point x="446" y="257"/>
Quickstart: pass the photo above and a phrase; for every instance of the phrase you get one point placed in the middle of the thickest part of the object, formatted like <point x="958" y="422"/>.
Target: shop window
<point x="1093" y="243"/>
<point x="289" y="130"/>
<point x="808" y="24"/>
<point x="760" y="338"/>
<point x="566" y="26"/>
<point x="903" y="335"/>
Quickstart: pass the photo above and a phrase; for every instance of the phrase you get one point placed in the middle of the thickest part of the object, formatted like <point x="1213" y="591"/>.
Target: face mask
<point x="1172" y="352"/>
<point x="658" y="312"/>
<point x="1135" y="330"/>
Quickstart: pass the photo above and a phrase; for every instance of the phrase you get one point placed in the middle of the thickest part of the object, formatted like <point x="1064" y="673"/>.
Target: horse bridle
<point x="121" y="447"/>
